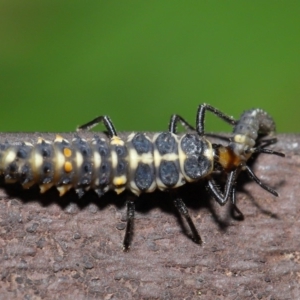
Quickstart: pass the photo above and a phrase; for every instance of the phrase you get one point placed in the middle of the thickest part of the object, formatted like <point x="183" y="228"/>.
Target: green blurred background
<point x="63" y="63"/>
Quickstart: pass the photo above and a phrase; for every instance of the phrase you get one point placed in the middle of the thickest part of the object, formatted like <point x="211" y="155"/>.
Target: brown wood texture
<point x="65" y="248"/>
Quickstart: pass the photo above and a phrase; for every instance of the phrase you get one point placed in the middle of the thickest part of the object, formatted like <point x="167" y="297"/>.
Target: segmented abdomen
<point x="139" y="163"/>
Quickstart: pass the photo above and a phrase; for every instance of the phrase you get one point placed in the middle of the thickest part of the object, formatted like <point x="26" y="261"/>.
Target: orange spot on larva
<point x="67" y="152"/>
<point x="68" y="166"/>
<point x="228" y="159"/>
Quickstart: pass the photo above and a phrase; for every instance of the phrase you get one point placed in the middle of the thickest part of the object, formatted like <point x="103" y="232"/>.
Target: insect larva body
<point x="140" y="162"/>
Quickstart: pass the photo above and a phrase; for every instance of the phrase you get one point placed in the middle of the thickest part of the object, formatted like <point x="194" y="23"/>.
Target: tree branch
<point x="54" y="247"/>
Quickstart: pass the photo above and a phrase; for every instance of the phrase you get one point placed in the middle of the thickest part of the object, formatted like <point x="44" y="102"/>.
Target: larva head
<point x="198" y="157"/>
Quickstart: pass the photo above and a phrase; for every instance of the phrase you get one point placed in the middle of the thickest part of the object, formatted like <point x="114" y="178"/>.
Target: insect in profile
<point x="140" y="162"/>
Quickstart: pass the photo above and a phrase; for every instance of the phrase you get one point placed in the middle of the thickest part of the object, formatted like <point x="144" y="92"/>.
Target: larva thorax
<point x="139" y="162"/>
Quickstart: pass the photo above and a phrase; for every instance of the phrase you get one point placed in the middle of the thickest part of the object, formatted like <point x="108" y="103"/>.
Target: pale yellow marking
<point x="152" y="187"/>
<point x="146" y="158"/>
<point x="97" y="160"/>
<point x="45" y="187"/>
<point x="63" y="189"/>
<point x="94" y="141"/>
<point x="133" y="159"/>
<point x="243" y="139"/>
<point x="130" y="136"/>
<point x="133" y="188"/>
<point x="170" y="157"/>
<point x="120" y="180"/>
<point x="38" y="160"/>
<point x="59" y="160"/>
<point x="28" y="144"/>
<point x="58" y="138"/>
<point x="209" y="153"/>
<point x="79" y="160"/>
<point x="240" y="138"/>
<point x="115" y="140"/>
<point x="119" y="190"/>
<point x="156" y="158"/>
<point x="114" y="159"/>
<point x="40" y="140"/>
<point x="67" y="152"/>
<point x="10" y="156"/>
<point x="96" y="165"/>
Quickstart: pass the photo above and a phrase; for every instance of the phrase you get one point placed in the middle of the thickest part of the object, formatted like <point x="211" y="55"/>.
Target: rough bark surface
<point x="63" y="248"/>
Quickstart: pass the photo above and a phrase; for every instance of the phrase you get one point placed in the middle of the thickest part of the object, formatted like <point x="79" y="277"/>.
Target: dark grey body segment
<point x="141" y="144"/>
<point x="165" y="143"/>
<point x="143" y="177"/>
<point x="168" y="172"/>
<point x="197" y="164"/>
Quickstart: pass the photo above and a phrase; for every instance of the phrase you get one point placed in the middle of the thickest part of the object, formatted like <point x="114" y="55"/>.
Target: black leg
<point x="257" y="180"/>
<point x="267" y="151"/>
<point x="129" y="227"/>
<point x="175" y="119"/>
<point x="233" y="195"/>
<point x="215" y="191"/>
<point x="179" y="204"/>
<point x="201" y="116"/>
<point x="240" y="215"/>
<point x="266" y="142"/>
<point x="102" y="119"/>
